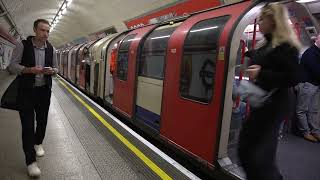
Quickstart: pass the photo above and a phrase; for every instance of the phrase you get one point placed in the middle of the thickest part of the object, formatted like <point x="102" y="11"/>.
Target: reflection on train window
<point x="199" y="60"/>
<point x="151" y="62"/>
<point x="123" y="57"/>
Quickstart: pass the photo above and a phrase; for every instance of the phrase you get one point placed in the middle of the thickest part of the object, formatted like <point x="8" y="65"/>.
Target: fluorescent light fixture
<point x="160" y="37"/>
<point x="64" y="11"/>
<point x="305" y="1"/>
<point x="69" y="2"/>
<point x="205" y="29"/>
<point x="64" y="6"/>
<point x="243" y="77"/>
<point x="134" y="39"/>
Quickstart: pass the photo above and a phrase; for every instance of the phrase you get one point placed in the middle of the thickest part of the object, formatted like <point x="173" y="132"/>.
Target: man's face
<point x="42" y="31"/>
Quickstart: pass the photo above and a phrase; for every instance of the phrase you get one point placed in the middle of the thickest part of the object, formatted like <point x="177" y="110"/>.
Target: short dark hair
<point x="35" y="24"/>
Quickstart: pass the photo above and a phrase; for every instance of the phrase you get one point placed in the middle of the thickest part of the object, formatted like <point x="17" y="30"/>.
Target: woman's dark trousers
<point x="259" y="140"/>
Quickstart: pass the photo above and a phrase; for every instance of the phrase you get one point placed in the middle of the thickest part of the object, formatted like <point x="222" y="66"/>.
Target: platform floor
<point x="78" y="147"/>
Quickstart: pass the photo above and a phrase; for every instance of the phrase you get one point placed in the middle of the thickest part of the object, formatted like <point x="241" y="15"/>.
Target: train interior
<point x="248" y="36"/>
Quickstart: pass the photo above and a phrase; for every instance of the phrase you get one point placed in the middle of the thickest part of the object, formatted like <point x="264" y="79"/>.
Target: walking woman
<point x="275" y="63"/>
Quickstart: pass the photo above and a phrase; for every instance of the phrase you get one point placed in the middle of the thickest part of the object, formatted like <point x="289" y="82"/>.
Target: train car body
<point x="6" y="49"/>
<point x="175" y="79"/>
<point x="74" y="71"/>
<point x="109" y="53"/>
<point x="7" y="44"/>
<point x="83" y="59"/>
<point x="71" y="65"/>
<point x="98" y="64"/>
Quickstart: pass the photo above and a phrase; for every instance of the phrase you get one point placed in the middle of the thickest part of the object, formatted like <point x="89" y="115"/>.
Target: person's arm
<point x="16" y="68"/>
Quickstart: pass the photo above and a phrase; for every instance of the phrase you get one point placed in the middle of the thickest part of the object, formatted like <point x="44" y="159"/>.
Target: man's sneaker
<point x="39" y="150"/>
<point x="317" y="136"/>
<point x="311" y="138"/>
<point x="33" y="170"/>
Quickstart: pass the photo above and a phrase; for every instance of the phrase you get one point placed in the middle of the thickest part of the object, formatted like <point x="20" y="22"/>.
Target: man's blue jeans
<point x="308" y="105"/>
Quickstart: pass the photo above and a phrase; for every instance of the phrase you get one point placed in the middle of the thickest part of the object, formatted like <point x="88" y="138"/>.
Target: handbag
<point x="256" y="96"/>
<point x="9" y="99"/>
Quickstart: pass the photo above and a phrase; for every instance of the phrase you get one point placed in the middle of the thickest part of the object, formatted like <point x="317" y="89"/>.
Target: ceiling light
<point x="204" y="29"/>
<point x="64" y="12"/>
<point x="305" y="1"/>
<point x="69" y="2"/>
<point x="64" y="6"/>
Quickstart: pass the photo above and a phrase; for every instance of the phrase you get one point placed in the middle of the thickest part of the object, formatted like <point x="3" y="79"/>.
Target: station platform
<point x="84" y="142"/>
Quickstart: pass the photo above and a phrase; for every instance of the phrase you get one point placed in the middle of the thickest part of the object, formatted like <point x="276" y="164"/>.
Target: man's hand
<point x="253" y="71"/>
<point x="32" y="70"/>
<point x="48" y="71"/>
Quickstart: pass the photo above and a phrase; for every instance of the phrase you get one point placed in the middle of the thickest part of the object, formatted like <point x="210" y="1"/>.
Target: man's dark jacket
<point x="28" y="60"/>
<point x="310" y="60"/>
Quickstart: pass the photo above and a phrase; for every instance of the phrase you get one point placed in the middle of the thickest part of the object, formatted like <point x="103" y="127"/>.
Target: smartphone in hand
<point x="47" y="70"/>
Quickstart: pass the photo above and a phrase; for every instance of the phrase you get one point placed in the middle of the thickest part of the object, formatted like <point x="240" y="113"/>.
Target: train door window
<point x="199" y="59"/>
<point x="151" y="62"/>
<point x="123" y="57"/>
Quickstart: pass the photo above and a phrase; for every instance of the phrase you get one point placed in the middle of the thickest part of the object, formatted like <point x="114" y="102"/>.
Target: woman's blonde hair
<point x="283" y="32"/>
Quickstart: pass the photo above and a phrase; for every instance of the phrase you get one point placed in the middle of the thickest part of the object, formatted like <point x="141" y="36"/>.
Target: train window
<point x="152" y="59"/>
<point x="199" y="60"/>
<point x="123" y="57"/>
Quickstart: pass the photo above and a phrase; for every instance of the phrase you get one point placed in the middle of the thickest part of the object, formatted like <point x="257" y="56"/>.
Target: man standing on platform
<point x="34" y="61"/>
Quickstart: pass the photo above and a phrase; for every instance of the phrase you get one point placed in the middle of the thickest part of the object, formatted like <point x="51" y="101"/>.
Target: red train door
<point x="195" y="79"/>
<point x="125" y="80"/>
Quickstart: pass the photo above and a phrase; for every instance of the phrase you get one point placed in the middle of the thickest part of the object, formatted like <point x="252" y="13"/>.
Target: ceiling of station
<point x="83" y="17"/>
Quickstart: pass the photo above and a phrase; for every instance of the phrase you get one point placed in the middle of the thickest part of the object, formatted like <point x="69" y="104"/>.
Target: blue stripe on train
<point x="148" y="117"/>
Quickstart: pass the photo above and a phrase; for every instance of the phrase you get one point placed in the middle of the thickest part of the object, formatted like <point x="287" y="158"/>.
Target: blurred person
<point x="307" y="108"/>
<point x="34" y="61"/>
<point x="274" y="65"/>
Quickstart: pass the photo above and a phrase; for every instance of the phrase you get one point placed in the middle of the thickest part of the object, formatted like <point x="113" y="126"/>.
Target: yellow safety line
<point x="134" y="149"/>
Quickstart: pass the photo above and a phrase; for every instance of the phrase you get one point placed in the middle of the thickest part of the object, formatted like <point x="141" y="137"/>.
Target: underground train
<point x="175" y="79"/>
<point x="7" y="44"/>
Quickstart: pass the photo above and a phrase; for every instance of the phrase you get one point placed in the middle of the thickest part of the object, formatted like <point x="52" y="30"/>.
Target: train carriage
<point x="83" y="59"/>
<point x="109" y="53"/>
<point x="64" y="58"/>
<point x="97" y="66"/>
<point x="71" y="64"/>
<point x="74" y="71"/>
<point x="7" y="44"/>
<point x="175" y="79"/>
